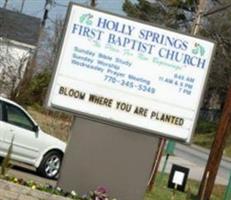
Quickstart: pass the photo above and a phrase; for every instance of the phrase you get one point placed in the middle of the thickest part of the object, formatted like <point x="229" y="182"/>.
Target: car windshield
<point x="0" y="110"/>
<point x="17" y="117"/>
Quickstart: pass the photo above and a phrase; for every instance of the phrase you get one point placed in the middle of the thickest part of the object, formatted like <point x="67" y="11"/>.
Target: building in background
<point x="19" y="35"/>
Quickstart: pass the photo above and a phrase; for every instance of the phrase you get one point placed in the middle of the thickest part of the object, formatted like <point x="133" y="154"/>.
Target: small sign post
<point x="178" y="177"/>
<point x="169" y="151"/>
<point x="170" y="147"/>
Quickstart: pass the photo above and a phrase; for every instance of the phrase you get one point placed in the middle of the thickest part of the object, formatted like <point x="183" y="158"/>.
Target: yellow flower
<point x="33" y="187"/>
<point x="15" y="180"/>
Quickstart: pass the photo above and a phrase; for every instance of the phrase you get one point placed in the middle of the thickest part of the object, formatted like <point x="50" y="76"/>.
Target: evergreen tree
<point x="175" y="14"/>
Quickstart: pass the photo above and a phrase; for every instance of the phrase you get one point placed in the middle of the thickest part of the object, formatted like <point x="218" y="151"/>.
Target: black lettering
<point x="123" y="106"/>
<point x="167" y="118"/>
<point x="101" y="100"/>
<point x="72" y="93"/>
<point x="141" y="111"/>
<point x="61" y="90"/>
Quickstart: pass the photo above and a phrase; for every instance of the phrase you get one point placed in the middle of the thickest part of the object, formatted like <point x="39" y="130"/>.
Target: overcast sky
<point x="36" y="7"/>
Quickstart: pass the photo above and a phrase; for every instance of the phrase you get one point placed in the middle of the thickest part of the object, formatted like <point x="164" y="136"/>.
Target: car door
<point x="20" y="130"/>
<point x="1" y="130"/>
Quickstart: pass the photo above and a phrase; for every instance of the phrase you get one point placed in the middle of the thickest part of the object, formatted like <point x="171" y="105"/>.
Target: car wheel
<point x="50" y="165"/>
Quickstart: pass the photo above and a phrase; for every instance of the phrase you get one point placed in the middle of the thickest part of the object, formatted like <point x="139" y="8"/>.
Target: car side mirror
<point x="36" y="129"/>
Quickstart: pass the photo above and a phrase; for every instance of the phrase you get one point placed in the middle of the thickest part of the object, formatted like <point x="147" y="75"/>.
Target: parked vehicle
<point x="30" y="144"/>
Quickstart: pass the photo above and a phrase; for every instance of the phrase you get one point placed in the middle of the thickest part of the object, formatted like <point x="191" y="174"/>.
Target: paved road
<point x="195" y="158"/>
<point x="192" y="157"/>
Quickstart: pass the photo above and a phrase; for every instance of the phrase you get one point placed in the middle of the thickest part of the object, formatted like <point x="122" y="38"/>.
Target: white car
<point x="30" y="144"/>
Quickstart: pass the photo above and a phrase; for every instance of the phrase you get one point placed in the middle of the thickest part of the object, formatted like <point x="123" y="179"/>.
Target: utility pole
<point x="47" y="7"/>
<point x="5" y="4"/>
<point x="93" y="3"/>
<point x="22" y="6"/>
<point x="216" y="152"/>
<point x="31" y="65"/>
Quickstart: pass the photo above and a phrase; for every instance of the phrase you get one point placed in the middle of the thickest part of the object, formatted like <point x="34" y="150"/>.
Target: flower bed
<point x="99" y="194"/>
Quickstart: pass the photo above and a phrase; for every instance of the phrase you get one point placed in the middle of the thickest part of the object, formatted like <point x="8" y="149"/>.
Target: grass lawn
<point x="204" y="136"/>
<point x="160" y="191"/>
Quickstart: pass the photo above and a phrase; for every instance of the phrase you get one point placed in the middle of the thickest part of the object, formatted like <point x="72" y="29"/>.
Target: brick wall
<point x="12" y="191"/>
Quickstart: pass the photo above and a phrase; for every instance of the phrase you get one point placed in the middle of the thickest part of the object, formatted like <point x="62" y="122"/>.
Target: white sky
<point x="36" y="7"/>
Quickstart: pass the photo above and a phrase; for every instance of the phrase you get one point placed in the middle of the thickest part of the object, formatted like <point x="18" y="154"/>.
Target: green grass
<point x="204" y="140"/>
<point x="205" y="133"/>
<point x="160" y="191"/>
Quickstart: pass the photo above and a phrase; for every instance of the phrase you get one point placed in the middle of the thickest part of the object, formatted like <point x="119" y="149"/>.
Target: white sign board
<point x="178" y="178"/>
<point x="130" y="73"/>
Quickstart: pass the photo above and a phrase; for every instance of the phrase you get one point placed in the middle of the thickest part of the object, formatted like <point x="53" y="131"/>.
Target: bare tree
<point x="13" y="61"/>
<point x="36" y="78"/>
<point x="49" y="45"/>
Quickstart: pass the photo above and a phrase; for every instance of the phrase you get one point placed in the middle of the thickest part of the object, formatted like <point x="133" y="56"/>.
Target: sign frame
<point x="178" y="169"/>
<point x="111" y="122"/>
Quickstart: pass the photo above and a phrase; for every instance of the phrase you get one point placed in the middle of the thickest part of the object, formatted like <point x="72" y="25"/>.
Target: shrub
<point x="204" y="127"/>
<point x="36" y="91"/>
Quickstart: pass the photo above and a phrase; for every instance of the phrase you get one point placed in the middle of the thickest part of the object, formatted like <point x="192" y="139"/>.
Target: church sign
<point x="130" y="73"/>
